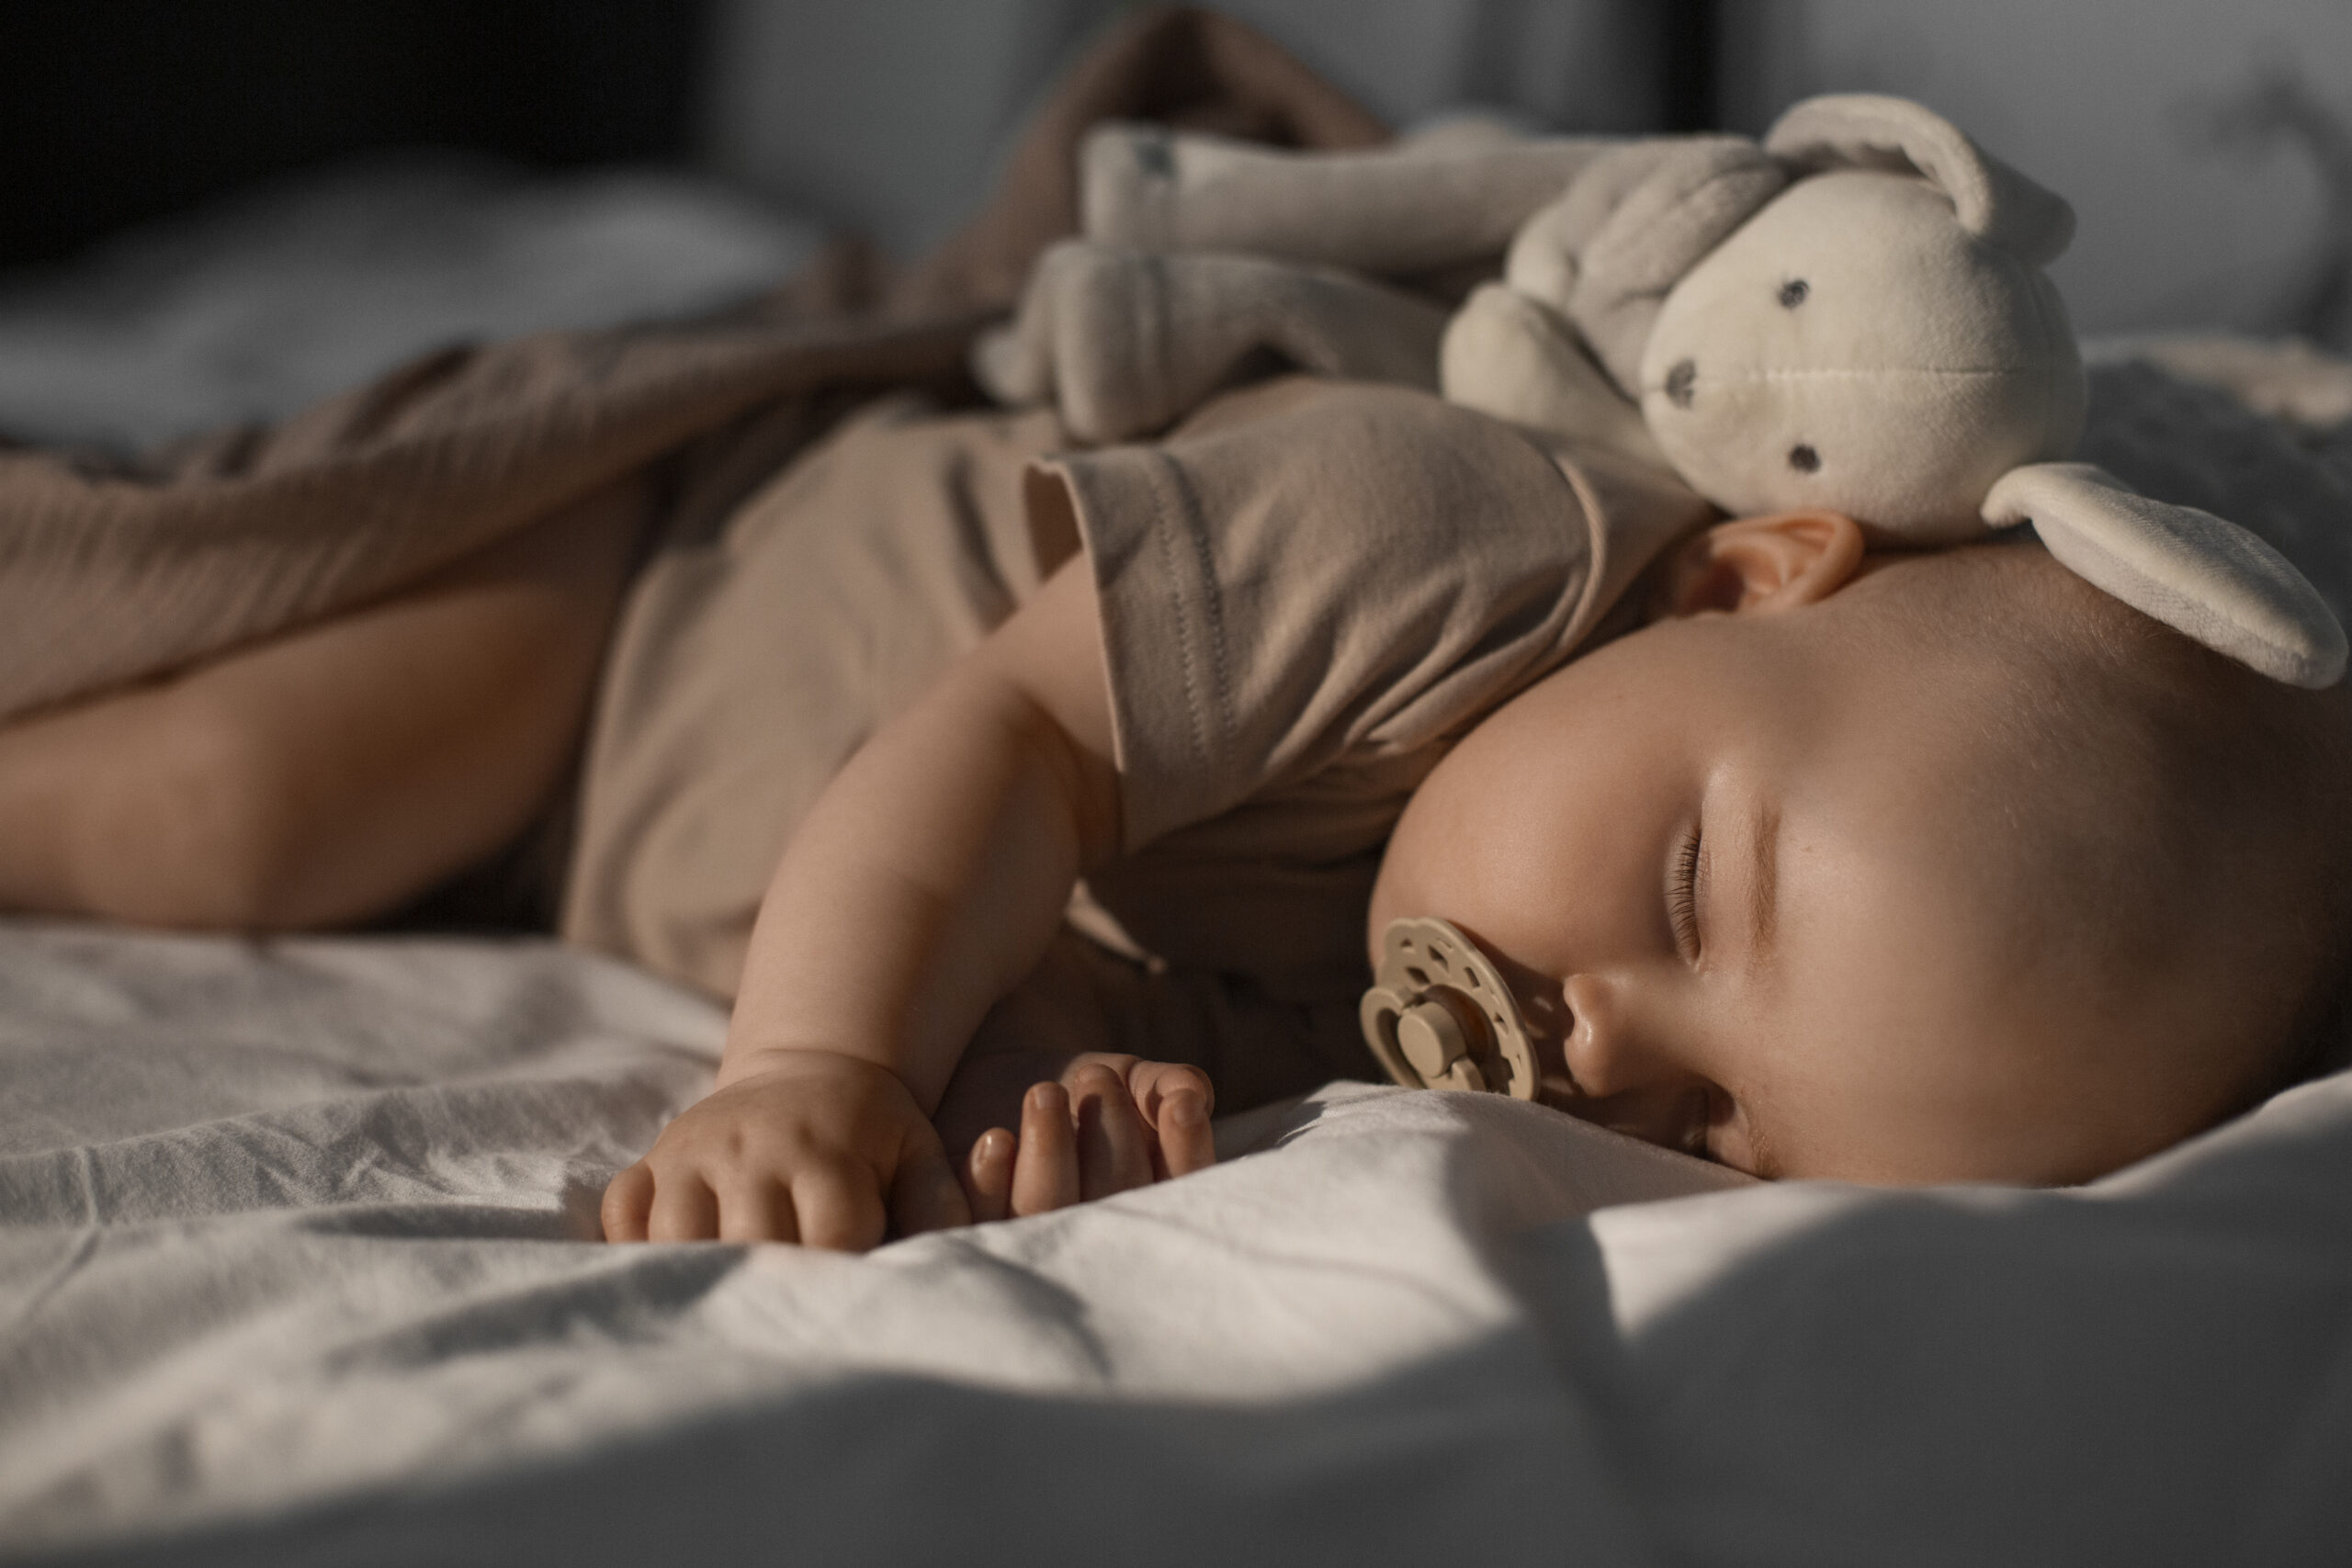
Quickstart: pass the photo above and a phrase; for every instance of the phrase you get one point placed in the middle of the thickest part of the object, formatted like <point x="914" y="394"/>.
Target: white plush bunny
<point x="1849" y="315"/>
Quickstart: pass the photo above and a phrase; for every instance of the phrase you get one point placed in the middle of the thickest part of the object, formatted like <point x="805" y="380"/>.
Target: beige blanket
<point x="112" y="571"/>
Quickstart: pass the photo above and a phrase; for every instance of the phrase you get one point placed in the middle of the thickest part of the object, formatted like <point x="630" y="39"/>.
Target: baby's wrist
<point x="741" y="1063"/>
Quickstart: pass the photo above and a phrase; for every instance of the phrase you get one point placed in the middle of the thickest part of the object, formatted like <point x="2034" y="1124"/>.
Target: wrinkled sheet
<point x="296" y="1269"/>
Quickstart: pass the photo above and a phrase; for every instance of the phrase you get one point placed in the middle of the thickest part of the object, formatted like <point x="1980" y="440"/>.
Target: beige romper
<point x="1308" y="590"/>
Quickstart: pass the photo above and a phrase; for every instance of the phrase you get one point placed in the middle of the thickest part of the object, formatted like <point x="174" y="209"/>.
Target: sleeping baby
<point x="1034" y="794"/>
<point x="1777" y="841"/>
<point x="1808" y="858"/>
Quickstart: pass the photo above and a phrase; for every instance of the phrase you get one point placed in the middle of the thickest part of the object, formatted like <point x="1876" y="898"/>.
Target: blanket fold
<point x="114" y="571"/>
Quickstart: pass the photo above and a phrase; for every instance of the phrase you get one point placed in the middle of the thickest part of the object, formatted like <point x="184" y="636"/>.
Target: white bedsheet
<point x="295" y="1271"/>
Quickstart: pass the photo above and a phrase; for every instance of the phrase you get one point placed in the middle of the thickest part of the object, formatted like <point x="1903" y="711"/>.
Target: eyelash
<point x="1682" y="899"/>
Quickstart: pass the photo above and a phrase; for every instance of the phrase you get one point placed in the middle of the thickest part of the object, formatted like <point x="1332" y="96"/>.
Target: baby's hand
<point x="814" y="1148"/>
<point x="1111" y="1122"/>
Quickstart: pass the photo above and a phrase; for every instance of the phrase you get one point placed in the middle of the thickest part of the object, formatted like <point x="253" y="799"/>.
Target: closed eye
<point x="1682" y="896"/>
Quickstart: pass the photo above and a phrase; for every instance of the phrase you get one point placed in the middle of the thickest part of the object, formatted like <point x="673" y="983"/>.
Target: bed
<point x="297" y="1256"/>
<point x="300" y="1267"/>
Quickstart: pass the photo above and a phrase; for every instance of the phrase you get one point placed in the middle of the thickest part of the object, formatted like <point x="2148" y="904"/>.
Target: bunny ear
<point x="1868" y="130"/>
<point x="2205" y="578"/>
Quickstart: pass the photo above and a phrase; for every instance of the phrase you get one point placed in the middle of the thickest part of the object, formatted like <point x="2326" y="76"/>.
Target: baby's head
<point x="1898" y="867"/>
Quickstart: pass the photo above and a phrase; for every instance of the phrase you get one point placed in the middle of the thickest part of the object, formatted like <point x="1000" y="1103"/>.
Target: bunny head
<point x="1853" y="315"/>
<point x="1855" y="346"/>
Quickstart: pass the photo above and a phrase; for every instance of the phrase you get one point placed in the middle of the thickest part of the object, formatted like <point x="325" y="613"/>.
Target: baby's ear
<point x="2201" y="575"/>
<point x="1763" y="564"/>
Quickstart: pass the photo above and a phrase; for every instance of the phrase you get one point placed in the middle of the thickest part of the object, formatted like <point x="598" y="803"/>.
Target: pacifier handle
<point x="1439" y="1015"/>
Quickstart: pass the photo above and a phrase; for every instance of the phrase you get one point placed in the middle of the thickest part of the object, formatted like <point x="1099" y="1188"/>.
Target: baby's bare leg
<point x="331" y="773"/>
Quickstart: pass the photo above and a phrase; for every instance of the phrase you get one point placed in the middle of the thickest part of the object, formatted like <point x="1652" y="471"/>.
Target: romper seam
<point x="1209" y="725"/>
<point x="1172" y="562"/>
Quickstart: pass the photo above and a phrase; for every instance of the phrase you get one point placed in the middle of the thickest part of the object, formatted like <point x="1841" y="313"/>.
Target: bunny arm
<point x="1511" y="355"/>
<point x="1125" y="342"/>
<point x="1607" y="252"/>
<point x="1416" y="205"/>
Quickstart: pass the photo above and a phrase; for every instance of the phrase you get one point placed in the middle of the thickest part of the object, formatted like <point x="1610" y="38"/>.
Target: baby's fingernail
<point x="1186" y="1110"/>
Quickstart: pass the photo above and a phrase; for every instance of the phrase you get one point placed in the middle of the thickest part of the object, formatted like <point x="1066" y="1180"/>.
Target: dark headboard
<point x="112" y="111"/>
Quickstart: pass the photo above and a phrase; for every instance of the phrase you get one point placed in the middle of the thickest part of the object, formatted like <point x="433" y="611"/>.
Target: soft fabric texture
<point x="1609" y="251"/>
<point x="1313" y="575"/>
<point x="1199" y="254"/>
<point x="1124" y="342"/>
<point x="1427" y="204"/>
<point x="112" y="571"/>
<point x="750" y="663"/>
<point x="2190" y="569"/>
<point x="1851" y="346"/>
<point x="1992" y="201"/>
<point x="1506" y="354"/>
<point x="295" y="1271"/>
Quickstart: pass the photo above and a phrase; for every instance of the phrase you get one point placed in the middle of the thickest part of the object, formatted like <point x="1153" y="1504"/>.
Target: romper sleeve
<point x="1313" y="569"/>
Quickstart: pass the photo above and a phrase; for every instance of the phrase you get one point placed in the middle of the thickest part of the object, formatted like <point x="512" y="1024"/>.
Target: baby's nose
<point x="1588" y="1044"/>
<point x="1607" y="1049"/>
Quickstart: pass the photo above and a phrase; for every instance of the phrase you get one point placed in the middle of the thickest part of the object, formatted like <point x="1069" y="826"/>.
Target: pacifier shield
<point x="1439" y="1015"/>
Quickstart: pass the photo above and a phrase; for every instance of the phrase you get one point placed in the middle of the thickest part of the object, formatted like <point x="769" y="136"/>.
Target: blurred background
<point x="216" y="210"/>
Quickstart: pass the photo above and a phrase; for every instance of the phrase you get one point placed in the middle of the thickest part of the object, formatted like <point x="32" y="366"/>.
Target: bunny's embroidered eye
<point x="1155" y="158"/>
<point x="1804" y="459"/>
<point x="1793" y="292"/>
<point x="1680" y="381"/>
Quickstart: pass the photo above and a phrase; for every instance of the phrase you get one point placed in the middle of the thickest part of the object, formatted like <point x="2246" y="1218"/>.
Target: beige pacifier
<point x="1439" y="1016"/>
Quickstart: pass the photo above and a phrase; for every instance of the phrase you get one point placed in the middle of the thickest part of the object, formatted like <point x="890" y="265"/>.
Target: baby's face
<point x="1746" y="881"/>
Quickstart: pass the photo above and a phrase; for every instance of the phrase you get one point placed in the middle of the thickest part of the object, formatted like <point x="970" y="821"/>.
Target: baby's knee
<point x="196" y="830"/>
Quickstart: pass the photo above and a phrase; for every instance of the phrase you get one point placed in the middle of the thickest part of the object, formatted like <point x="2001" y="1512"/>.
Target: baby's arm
<point x="927" y="880"/>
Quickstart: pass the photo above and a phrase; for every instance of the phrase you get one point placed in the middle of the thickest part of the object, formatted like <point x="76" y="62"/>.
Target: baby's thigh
<point x="329" y="773"/>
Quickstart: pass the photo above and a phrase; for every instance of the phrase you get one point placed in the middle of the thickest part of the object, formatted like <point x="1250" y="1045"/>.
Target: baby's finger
<point x="628" y="1199"/>
<point x="1182" y="1143"/>
<point x="1114" y="1148"/>
<point x="685" y="1208"/>
<point x="838" y="1210"/>
<point x="925" y="1195"/>
<point x="1186" y="1143"/>
<point x="757" y="1210"/>
<point x="988" y="1176"/>
<point x="1045" y="1171"/>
